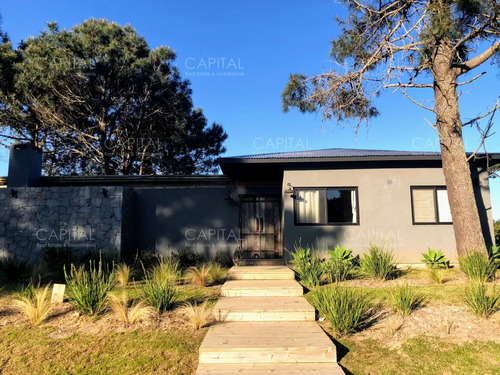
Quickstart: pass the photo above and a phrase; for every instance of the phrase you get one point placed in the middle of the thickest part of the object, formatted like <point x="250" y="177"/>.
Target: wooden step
<point x="264" y="309"/>
<point x="262" y="262"/>
<point x="271" y="369"/>
<point x="267" y="342"/>
<point x="260" y="273"/>
<point x="261" y="288"/>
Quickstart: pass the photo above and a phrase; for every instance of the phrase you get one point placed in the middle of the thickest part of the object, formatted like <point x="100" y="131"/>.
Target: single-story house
<point x="262" y="204"/>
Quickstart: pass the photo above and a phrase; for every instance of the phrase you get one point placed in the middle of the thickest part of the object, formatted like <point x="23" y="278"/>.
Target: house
<point x="262" y="204"/>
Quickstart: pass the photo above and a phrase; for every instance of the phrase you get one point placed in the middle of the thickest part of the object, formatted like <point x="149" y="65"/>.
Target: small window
<point x="430" y="205"/>
<point x="326" y="206"/>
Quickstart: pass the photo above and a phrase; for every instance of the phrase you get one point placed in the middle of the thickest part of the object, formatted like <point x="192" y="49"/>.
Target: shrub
<point x="481" y="301"/>
<point x="477" y="267"/>
<point x="494" y="254"/>
<point x="55" y="259"/>
<point x="160" y="288"/>
<point x="347" y="310"/>
<point x="107" y="257"/>
<point x="340" y="265"/>
<point x="436" y="275"/>
<point x="128" y="312"/>
<point x="187" y="258"/>
<point x="199" y="276"/>
<point x="217" y="274"/>
<point x="13" y="267"/>
<point x="403" y="299"/>
<point x="309" y="267"/>
<point x="378" y="263"/>
<point x="123" y="273"/>
<point x="35" y="307"/>
<point x="87" y="290"/>
<point x="198" y="315"/>
<point x="434" y="259"/>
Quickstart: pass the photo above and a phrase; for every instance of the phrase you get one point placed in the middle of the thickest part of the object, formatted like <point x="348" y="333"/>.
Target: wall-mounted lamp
<point x="291" y="190"/>
<point x="228" y="197"/>
<point x="104" y="192"/>
<point x="13" y="193"/>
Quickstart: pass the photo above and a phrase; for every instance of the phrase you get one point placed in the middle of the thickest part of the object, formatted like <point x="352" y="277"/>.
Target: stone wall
<point x="82" y="219"/>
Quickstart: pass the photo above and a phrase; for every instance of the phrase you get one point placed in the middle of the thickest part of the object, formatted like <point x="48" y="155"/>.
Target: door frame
<point x="271" y="197"/>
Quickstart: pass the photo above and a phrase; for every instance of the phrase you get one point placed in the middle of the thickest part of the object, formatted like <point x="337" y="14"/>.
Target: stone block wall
<point x="82" y="219"/>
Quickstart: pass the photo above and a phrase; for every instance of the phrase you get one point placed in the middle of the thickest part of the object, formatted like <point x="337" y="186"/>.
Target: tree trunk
<point x="466" y="224"/>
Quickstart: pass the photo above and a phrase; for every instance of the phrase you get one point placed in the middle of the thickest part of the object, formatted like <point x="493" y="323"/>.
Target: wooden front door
<point x="260" y="226"/>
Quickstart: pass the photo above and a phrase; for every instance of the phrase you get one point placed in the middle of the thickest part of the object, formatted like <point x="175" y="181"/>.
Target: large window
<point x="326" y="206"/>
<point x="430" y="205"/>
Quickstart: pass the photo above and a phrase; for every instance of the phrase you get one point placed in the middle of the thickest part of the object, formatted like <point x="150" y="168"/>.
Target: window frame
<point x="325" y="189"/>
<point x="435" y="189"/>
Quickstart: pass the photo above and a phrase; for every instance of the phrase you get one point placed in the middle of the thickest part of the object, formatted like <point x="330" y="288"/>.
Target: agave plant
<point x="309" y="267"/>
<point x="435" y="259"/>
<point x="341" y="253"/>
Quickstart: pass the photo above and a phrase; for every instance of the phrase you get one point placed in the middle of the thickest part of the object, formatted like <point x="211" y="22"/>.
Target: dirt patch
<point x="436" y="321"/>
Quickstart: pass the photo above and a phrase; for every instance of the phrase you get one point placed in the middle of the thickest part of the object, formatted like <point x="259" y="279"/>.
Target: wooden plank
<point x="261" y="288"/>
<point x="271" y="369"/>
<point x="271" y="342"/>
<point x="257" y="272"/>
<point x="265" y="309"/>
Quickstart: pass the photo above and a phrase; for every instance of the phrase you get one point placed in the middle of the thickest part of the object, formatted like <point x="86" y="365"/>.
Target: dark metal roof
<point x="341" y="154"/>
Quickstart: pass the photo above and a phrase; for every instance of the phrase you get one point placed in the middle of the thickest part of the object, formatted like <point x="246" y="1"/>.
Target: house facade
<point x="263" y="205"/>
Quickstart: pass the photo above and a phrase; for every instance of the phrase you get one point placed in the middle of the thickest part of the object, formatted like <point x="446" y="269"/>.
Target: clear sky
<point x="238" y="55"/>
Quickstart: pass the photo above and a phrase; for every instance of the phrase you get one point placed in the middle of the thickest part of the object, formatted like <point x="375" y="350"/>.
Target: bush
<point x="88" y="289"/>
<point x="187" y="258"/>
<point x="378" y="263"/>
<point x="160" y="288"/>
<point x="13" y="267"/>
<point x="107" y="257"/>
<point x="341" y="263"/>
<point x="347" y="310"/>
<point x="434" y="259"/>
<point x="309" y="267"/>
<point x="403" y="299"/>
<point x="35" y="307"/>
<point x="481" y="301"/>
<point x="494" y="254"/>
<point x="477" y="267"/>
<point x="55" y="259"/>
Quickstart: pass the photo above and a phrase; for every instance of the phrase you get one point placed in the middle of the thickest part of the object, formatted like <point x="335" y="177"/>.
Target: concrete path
<point x="266" y="327"/>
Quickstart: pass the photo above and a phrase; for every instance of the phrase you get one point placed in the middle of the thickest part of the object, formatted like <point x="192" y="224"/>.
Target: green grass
<point x="422" y="355"/>
<point x="154" y="351"/>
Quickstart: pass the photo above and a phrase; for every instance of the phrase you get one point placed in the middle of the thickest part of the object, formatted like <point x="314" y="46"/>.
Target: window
<point x="430" y="205"/>
<point x="326" y="206"/>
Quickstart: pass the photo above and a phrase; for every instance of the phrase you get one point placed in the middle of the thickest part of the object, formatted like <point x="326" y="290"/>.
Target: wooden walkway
<point x="266" y="327"/>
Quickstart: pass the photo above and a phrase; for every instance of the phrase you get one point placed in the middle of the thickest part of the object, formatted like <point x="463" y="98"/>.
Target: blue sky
<point x="259" y="44"/>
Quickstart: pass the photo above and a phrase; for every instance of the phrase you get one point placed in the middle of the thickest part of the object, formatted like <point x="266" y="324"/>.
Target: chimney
<point x="25" y="165"/>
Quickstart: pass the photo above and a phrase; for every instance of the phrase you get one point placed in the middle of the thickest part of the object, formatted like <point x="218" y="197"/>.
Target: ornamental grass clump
<point x="404" y="299"/>
<point x="123" y="273"/>
<point x="378" y="263"/>
<point x="477" y="267"/>
<point x="199" y="276"/>
<point x="347" y="309"/>
<point x="88" y="289"/>
<point x="127" y="311"/>
<point x="160" y="285"/>
<point x="35" y="306"/>
<point x="198" y="315"/>
<point x="481" y="301"/>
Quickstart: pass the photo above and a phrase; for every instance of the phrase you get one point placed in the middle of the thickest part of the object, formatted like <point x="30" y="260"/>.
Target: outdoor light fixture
<point x="228" y="197"/>
<point x="289" y="189"/>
